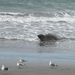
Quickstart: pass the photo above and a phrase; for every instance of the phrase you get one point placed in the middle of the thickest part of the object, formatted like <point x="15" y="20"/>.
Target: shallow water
<point x="60" y="52"/>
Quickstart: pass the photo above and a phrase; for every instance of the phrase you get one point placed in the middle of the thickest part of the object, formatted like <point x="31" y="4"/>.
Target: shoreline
<point x="37" y="57"/>
<point x="39" y="65"/>
<point x="38" y="60"/>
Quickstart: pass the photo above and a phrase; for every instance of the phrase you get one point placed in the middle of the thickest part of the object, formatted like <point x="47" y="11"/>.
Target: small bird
<point x="21" y="60"/>
<point x="4" y="68"/>
<point x="52" y="64"/>
<point x="20" y="64"/>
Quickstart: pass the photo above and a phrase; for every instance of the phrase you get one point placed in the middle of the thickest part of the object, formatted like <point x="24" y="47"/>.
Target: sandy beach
<point x="39" y="69"/>
<point x="39" y="72"/>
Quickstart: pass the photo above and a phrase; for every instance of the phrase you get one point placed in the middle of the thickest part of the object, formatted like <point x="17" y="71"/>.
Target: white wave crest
<point x="37" y="17"/>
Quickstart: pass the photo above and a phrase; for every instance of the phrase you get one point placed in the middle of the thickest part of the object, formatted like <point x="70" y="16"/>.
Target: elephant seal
<point x="48" y="37"/>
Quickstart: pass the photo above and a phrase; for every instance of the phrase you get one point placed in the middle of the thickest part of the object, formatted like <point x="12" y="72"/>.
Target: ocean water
<point x="22" y="20"/>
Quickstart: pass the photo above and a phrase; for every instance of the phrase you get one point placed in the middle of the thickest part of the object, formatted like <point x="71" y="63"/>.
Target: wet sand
<point x="39" y="69"/>
<point x="39" y="72"/>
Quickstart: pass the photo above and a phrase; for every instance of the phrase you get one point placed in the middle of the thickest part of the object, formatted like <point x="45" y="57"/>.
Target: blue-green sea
<point x="36" y="5"/>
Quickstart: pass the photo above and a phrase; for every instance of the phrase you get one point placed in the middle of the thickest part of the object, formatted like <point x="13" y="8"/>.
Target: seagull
<point x="21" y="60"/>
<point x="4" y="68"/>
<point x="52" y="64"/>
<point x="20" y="64"/>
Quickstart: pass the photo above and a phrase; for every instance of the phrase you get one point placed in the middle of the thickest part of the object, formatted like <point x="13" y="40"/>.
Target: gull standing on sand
<point x="4" y="68"/>
<point x="20" y="64"/>
<point x="52" y="64"/>
<point x="21" y="60"/>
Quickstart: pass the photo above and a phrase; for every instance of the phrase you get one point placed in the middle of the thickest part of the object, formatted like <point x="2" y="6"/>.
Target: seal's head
<point x="41" y="37"/>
